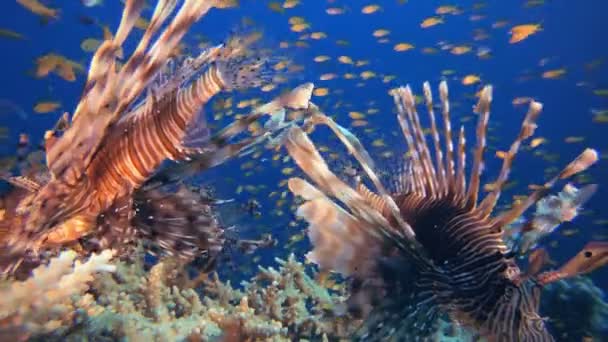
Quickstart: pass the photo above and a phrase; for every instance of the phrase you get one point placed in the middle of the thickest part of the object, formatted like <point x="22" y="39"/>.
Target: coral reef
<point x="49" y="300"/>
<point x="164" y="304"/>
<point x="72" y="300"/>
<point x="576" y="309"/>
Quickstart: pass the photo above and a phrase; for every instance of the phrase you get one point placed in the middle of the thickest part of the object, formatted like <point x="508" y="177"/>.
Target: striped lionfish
<point x="428" y="248"/>
<point x="99" y="161"/>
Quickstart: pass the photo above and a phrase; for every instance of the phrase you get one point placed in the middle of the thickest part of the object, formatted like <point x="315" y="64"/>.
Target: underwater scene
<point x="303" y="170"/>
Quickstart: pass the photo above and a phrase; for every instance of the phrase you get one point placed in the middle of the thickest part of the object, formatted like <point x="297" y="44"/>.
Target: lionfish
<point x="100" y="161"/>
<point x="428" y="248"/>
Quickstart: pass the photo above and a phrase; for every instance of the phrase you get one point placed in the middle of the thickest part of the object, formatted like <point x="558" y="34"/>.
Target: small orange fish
<point x="470" y="79"/>
<point x="460" y="50"/>
<point x="46" y="107"/>
<point x="553" y="74"/>
<point x="403" y="47"/>
<point x="334" y="11"/>
<point x="521" y="100"/>
<point x="521" y="32"/>
<point x="369" y="9"/>
<point x="38" y="8"/>
<point x="432" y="21"/>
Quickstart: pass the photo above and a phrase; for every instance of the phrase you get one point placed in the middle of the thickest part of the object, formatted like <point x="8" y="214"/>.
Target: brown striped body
<point x="146" y="138"/>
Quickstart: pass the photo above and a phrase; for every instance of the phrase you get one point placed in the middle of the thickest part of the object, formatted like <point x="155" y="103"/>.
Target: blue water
<point x="572" y="35"/>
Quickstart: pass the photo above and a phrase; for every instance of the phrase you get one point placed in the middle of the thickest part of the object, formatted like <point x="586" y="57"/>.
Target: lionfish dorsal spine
<point x="447" y="132"/>
<point x="441" y="173"/>
<point x="483" y="110"/>
<point x="422" y="149"/>
<point x="527" y="130"/>
<point x="461" y="163"/>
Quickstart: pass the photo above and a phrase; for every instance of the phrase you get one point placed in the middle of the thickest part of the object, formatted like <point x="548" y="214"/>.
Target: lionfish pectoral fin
<point x="197" y="134"/>
<point x="584" y="194"/>
<point x="23" y="182"/>
<point x="400" y="319"/>
<point x="307" y="157"/>
<point x="374" y="200"/>
<point x="300" y="187"/>
<point x="593" y="256"/>
<point x="355" y="147"/>
<point x="581" y="163"/>
<point x="341" y="242"/>
<point x="178" y="223"/>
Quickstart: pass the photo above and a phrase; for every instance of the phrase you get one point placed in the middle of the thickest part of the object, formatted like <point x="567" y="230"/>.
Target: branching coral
<point x="69" y="300"/>
<point x="48" y="300"/>
<point x="290" y="296"/>
<point x="134" y="304"/>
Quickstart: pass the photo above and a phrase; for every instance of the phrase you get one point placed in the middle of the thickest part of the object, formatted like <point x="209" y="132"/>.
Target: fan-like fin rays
<point x="586" y="159"/>
<point x="528" y="127"/>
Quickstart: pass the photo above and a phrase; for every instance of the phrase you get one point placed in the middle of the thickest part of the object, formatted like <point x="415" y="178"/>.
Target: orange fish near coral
<point x="521" y="32"/>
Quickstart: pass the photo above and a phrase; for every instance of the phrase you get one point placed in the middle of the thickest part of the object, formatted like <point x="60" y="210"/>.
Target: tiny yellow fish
<point x="40" y="9"/>
<point x="334" y="11"/>
<point x="521" y="100"/>
<point x="327" y="77"/>
<point x="369" y="9"/>
<point x="345" y="60"/>
<point x="470" y="79"/>
<point x="46" y="107"/>
<point x="321" y="59"/>
<point x="573" y="140"/>
<point x="553" y="74"/>
<point x="380" y="33"/>
<point x="318" y="35"/>
<point x="320" y="91"/>
<point x="521" y="32"/>
<point x="432" y="21"/>
<point x="403" y="47"/>
<point x="460" y="49"/>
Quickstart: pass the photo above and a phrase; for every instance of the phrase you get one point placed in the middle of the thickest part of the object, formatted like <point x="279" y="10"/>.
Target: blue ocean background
<point x="573" y="36"/>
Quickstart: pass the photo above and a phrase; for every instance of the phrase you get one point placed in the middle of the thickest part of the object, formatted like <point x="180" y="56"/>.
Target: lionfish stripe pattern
<point x="99" y="161"/>
<point x="127" y="147"/>
<point x="430" y="247"/>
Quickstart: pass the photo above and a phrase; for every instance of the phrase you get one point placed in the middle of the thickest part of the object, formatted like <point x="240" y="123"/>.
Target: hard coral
<point x="49" y="299"/>
<point x="134" y="304"/>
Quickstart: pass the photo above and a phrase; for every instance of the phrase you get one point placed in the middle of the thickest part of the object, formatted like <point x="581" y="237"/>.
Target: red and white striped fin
<point x="587" y="158"/>
<point x="483" y="109"/>
<point x="527" y="130"/>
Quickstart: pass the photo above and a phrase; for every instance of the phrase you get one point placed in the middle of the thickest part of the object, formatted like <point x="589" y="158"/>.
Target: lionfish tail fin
<point x="181" y="223"/>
